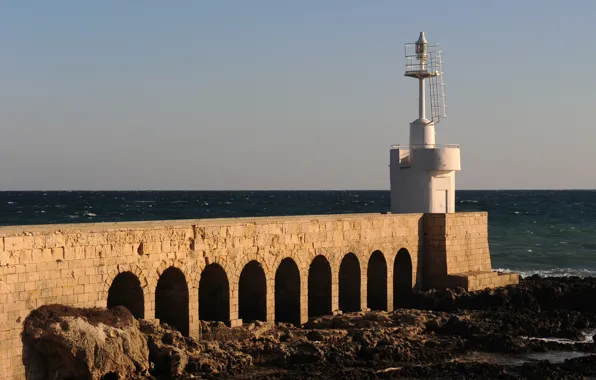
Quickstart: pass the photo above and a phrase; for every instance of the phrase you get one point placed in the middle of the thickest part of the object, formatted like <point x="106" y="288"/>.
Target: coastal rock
<point x="173" y="355"/>
<point x="487" y="334"/>
<point x="62" y="342"/>
<point x="305" y="352"/>
<point x="324" y="322"/>
<point x="533" y="293"/>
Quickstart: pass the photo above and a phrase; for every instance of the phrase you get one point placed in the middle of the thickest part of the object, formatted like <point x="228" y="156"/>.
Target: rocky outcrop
<point x="533" y="293"/>
<point x="173" y="355"/>
<point x="62" y="342"/>
<point x="444" y="334"/>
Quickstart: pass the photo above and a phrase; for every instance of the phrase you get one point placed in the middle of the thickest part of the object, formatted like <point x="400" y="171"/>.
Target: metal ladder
<point x="437" y="88"/>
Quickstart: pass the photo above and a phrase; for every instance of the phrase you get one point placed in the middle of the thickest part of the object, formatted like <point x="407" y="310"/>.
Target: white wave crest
<point x="556" y="272"/>
<point x="587" y="337"/>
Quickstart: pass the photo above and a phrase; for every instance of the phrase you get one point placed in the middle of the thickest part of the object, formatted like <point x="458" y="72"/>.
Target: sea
<point x="546" y="232"/>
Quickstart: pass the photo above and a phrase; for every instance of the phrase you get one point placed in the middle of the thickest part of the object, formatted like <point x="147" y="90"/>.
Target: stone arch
<point x="252" y="292"/>
<point x="376" y="274"/>
<point x="287" y="292"/>
<point x="214" y="294"/>
<point x="202" y="263"/>
<point x="132" y="268"/>
<point x="300" y="261"/>
<point x="190" y="274"/>
<point x="172" y="298"/>
<point x="349" y="283"/>
<point x="126" y="291"/>
<point x="402" y="278"/>
<point x="319" y="287"/>
<point x="239" y="265"/>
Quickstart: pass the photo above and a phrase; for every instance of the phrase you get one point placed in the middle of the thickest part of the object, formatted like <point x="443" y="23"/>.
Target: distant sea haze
<point x="545" y="232"/>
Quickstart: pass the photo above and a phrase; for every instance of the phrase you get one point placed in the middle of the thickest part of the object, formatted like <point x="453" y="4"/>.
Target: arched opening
<point x="377" y="282"/>
<point x="171" y="299"/>
<point x="126" y="291"/>
<point x="402" y="278"/>
<point x="319" y="287"/>
<point x="349" y="283"/>
<point x="214" y="294"/>
<point x="252" y="294"/>
<point x="287" y="292"/>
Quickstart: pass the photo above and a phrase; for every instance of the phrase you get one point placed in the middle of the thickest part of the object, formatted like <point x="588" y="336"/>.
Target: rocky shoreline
<point x="434" y="335"/>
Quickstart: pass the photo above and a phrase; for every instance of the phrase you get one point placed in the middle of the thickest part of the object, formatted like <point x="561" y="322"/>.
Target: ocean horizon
<point x="546" y="232"/>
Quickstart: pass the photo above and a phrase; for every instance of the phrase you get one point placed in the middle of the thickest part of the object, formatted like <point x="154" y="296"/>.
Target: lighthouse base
<point x="423" y="180"/>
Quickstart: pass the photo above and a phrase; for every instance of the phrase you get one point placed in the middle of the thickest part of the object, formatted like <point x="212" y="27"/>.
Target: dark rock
<point x="363" y="324"/>
<point x="342" y="322"/>
<point x="315" y="335"/>
<point x="305" y="353"/>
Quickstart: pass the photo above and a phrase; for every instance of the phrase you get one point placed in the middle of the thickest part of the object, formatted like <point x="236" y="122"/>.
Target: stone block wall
<point x="457" y="252"/>
<point x="162" y="263"/>
<point x="457" y="242"/>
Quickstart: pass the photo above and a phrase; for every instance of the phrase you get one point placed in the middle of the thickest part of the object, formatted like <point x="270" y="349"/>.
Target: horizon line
<point x="275" y="190"/>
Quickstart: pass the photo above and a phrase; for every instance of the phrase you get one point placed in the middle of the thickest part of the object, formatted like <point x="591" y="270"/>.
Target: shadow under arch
<point x="252" y="293"/>
<point x="319" y="287"/>
<point x="126" y="291"/>
<point x="376" y="290"/>
<point x="214" y="294"/>
<point x="349" y="284"/>
<point x="402" y="278"/>
<point x="171" y="299"/>
<point x="287" y="292"/>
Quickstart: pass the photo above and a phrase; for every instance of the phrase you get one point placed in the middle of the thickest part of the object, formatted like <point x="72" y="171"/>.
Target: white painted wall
<point x="422" y="132"/>
<point x="437" y="158"/>
<point x="421" y="182"/>
<point x="446" y="180"/>
<point x="409" y="187"/>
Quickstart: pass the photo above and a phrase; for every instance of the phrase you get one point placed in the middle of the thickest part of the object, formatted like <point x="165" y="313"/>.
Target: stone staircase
<point x="479" y="280"/>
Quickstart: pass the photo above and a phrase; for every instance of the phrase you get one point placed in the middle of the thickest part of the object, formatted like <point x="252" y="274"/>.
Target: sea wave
<point x="587" y="336"/>
<point x="555" y="272"/>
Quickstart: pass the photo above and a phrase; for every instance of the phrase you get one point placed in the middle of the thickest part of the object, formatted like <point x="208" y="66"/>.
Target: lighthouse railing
<point x="413" y="62"/>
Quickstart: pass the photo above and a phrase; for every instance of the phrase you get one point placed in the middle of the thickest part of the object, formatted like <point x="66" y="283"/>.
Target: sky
<point x="269" y="94"/>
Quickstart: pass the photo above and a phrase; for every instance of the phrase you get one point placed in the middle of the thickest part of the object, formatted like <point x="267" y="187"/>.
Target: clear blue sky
<point x="269" y="94"/>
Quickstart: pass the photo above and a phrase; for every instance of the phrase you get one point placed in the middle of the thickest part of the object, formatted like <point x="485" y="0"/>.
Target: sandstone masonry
<point x="236" y="269"/>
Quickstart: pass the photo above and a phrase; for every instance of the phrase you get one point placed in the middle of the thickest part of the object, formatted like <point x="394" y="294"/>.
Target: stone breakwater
<point x="441" y="334"/>
<point x="273" y="269"/>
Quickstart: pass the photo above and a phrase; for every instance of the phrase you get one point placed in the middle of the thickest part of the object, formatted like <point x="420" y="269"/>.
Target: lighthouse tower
<point x="422" y="173"/>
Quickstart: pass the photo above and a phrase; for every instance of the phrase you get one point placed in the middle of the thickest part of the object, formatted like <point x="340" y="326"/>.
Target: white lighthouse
<point x="422" y="173"/>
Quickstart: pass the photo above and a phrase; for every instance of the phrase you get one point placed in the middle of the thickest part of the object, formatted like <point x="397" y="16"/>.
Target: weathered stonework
<point x="77" y="265"/>
<point x="457" y="252"/>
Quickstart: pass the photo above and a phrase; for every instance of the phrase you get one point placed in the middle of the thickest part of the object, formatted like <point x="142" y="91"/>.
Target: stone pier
<point x="233" y="270"/>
